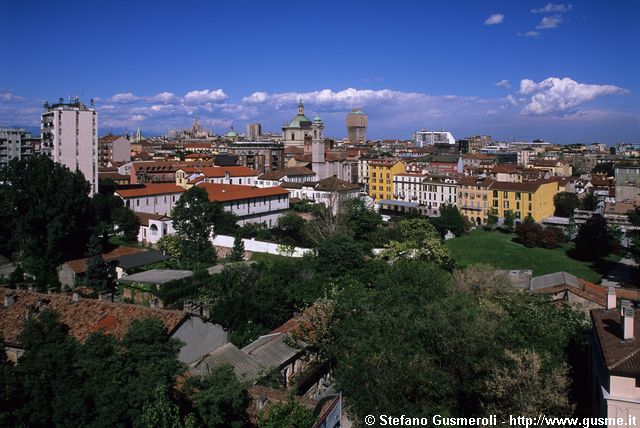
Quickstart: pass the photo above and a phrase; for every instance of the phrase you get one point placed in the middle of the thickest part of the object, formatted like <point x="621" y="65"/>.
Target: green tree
<point x="565" y="203"/>
<point x="237" y="252"/>
<point x="100" y="274"/>
<point x="48" y="215"/>
<point x="219" y="398"/>
<point x="450" y="219"/>
<point x="338" y="254"/>
<point x="162" y="412"/>
<point x="361" y="219"/>
<point x="589" y="202"/>
<point x="492" y="219"/>
<point x="171" y="245"/>
<point x="419" y="240"/>
<point x="193" y="220"/>
<point x="522" y="385"/>
<point x="127" y="224"/>
<point x="224" y="222"/>
<point x="594" y="240"/>
<point x="289" y="414"/>
<point x="509" y="220"/>
<point x="49" y="393"/>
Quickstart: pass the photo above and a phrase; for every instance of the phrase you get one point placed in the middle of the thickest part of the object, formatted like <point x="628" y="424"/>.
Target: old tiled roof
<point x="233" y="171"/>
<point x="150" y="189"/>
<point x="232" y="192"/>
<point x="334" y="184"/>
<point x="108" y="139"/>
<point x="620" y="356"/>
<point x="145" y="217"/>
<point x="80" y="265"/>
<point x="288" y="172"/>
<point x="82" y="317"/>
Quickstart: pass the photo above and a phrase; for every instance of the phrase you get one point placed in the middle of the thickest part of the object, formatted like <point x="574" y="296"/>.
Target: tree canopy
<point x="193" y="220"/>
<point x="565" y="203"/>
<point x="46" y="215"/>
<point x="594" y="240"/>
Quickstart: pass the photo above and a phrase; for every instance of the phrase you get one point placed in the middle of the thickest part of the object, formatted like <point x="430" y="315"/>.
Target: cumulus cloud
<point x="554" y="95"/>
<point x="553" y="8"/>
<point x="8" y="96"/>
<point x="504" y="83"/>
<point x="494" y="19"/>
<point x="124" y="98"/>
<point x="549" y="22"/>
<point x="163" y="97"/>
<point x="205" y="96"/>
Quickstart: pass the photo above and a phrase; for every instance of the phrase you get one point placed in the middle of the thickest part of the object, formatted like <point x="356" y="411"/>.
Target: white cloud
<point x="553" y="8"/>
<point x="549" y="22"/>
<point x="163" y="97"/>
<point x="512" y="100"/>
<point x="205" y="96"/>
<point x="124" y="98"/>
<point x="554" y="95"/>
<point x="531" y="34"/>
<point x="9" y="96"/>
<point x="504" y="83"/>
<point x="256" y="97"/>
<point x="494" y="19"/>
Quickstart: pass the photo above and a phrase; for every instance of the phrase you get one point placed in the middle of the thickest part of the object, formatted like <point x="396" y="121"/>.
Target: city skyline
<point x="562" y="72"/>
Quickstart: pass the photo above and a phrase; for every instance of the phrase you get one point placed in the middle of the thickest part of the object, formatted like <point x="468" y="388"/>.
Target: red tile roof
<point x="82" y="317"/>
<point x="150" y="190"/>
<point x="80" y="265"/>
<point x="233" y="192"/>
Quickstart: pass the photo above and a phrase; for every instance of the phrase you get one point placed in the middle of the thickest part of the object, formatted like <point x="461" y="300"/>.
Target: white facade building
<point x="70" y="137"/>
<point x="429" y="191"/>
<point x="425" y="138"/>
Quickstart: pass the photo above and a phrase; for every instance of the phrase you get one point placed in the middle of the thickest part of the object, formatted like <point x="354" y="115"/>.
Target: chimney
<point x="9" y="298"/>
<point x="626" y="319"/>
<point x="75" y="295"/>
<point x="153" y="302"/>
<point x="611" y="298"/>
<point x="41" y="304"/>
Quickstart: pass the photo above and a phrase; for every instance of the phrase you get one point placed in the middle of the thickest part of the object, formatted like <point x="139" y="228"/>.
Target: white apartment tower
<point x="70" y="137"/>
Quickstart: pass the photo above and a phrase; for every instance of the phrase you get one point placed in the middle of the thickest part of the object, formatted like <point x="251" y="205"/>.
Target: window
<point x="506" y="204"/>
<point x="506" y="195"/>
<point x="495" y="193"/>
<point x="517" y="196"/>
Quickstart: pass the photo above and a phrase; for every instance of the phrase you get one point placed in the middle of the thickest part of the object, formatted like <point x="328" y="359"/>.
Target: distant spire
<point x="300" y="107"/>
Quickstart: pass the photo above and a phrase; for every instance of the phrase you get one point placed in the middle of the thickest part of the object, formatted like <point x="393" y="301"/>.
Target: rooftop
<point x="156" y="276"/>
<point x="83" y="317"/>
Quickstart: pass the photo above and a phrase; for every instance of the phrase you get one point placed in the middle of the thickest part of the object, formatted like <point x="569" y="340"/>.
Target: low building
<point x="615" y="362"/>
<point x="381" y="174"/>
<point x="473" y="198"/>
<point x="285" y="175"/>
<point x="86" y="316"/>
<point x="331" y="192"/>
<point x="187" y="177"/>
<point x="250" y="204"/>
<point x="522" y="199"/>
<point x="153" y="227"/>
<point x="140" y="287"/>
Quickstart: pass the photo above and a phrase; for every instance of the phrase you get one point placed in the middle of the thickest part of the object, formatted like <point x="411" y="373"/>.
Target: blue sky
<point x="562" y="71"/>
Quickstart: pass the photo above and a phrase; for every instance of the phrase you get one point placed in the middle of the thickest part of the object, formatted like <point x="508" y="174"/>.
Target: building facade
<point x="113" y="148"/>
<point x="261" y="156"/>
<point x="424" y="138"/>
<point x="14" y="144"/>
<point x="70" y="137"/>
<point x="523" y="199"/>
<point x="381" y="173"/>
<point x="254" y="131"/>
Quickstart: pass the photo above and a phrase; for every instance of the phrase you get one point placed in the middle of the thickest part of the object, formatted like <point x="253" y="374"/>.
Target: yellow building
<point x="473" y="199"/>
<point x="381" y="173"/>
<point x="535" y="198"/>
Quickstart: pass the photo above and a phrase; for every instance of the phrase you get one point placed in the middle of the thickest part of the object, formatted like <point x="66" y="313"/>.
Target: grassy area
<point x="499" y="250"/>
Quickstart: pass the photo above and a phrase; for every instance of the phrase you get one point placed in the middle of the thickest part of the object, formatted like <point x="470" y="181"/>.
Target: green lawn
<point x="499" y="250"/>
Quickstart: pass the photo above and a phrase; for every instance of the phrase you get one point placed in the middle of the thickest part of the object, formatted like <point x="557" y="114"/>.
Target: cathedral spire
<point x="300" y="107"/>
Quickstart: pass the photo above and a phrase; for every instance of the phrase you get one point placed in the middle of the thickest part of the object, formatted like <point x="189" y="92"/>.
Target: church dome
<point x="231" y="134"/>
<point x="300" y="121"/>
